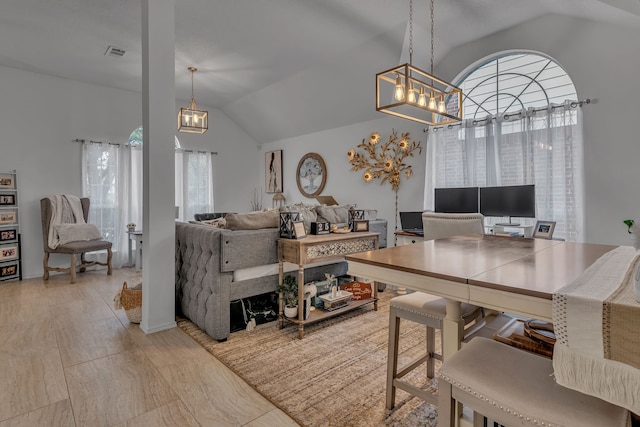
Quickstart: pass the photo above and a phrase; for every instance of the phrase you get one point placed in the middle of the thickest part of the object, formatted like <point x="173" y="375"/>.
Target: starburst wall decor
<point x="385" y="160"/>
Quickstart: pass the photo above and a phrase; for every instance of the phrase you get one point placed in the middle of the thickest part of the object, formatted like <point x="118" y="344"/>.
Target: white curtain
<point x="106" y="181"/>
<point x="112" y="179"/>
<point x="541" y="147"/>
<point x="194" y="183"/>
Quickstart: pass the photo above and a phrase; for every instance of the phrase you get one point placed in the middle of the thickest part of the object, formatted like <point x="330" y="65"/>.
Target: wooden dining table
<point x="508" y="274"/>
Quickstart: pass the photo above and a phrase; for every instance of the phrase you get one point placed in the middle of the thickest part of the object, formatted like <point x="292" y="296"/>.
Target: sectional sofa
<point x="214" y="266"/>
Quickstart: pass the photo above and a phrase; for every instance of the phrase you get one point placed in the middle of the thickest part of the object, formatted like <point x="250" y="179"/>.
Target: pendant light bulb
<point x="442" y="108"/>
<point x="432" y="101"/>
<point x="422" y="99"/>
<point x="412" y="94"/>
<point x="399" y="93"/>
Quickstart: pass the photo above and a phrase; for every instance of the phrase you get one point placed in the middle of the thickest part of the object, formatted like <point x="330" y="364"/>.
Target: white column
<point x="159" y="124"/>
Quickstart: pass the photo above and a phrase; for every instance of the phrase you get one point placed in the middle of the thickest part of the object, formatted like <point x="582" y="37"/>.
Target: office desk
<point x="501" y="273"/>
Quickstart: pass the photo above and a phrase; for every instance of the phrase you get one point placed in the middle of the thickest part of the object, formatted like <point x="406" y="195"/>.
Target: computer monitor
<point x="510" y="201"/>
<point x="456" y="200"/>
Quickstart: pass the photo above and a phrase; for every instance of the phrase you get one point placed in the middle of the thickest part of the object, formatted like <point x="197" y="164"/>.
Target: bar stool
<point x="427" y="310"/>
<point x="516" y="387"/>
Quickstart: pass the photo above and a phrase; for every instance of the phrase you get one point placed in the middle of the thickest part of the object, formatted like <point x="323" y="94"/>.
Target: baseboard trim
<point x="158" y="328"/>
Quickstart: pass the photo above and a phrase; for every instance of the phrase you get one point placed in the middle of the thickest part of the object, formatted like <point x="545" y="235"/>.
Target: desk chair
<point x="71" y="248"/>
<point x="426" y="309"/>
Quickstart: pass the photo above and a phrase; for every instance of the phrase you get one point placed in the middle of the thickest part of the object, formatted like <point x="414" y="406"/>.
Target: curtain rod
<point x="572" y="104"/>
<point x="83" y="141"/>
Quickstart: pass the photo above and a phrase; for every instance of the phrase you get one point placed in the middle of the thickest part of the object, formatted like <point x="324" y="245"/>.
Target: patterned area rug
<point x="336" y="375"/>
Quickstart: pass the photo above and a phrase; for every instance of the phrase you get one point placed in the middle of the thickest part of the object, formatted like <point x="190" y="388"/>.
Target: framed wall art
<point x="273" y="171"/>
<point x="7" y="182"/>
<point x="8" y="235"/>
<point x="311" y="175"/>
<point x="8" y="217"/>
<point x="8" y="253"/>
<point x="7" y="199"/>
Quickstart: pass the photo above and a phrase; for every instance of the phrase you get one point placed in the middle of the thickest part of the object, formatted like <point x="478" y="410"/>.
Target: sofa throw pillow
<point x="334" y="214"/>
<point x="77" y="232"/>
<point x="252" y="220"/>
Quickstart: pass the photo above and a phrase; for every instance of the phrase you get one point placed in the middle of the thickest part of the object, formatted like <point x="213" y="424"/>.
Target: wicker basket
<point x="131" y="301"/>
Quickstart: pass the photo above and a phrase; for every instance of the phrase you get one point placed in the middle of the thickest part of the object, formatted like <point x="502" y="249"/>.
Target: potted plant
<point x="289" y="291"/>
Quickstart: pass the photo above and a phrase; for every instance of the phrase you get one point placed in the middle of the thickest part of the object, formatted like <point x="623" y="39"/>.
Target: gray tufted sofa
<point x="206" y="258"/>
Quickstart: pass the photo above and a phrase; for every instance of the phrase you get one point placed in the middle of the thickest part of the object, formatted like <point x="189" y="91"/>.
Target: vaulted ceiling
<point x="278" y="68"/>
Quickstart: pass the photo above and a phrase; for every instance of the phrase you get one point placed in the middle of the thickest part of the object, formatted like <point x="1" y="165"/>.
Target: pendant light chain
<point x="431" y="7"/>
<point x="410" y="31"/>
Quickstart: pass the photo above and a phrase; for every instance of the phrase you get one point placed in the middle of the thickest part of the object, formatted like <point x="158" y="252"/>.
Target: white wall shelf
<point x="10" y="250"/>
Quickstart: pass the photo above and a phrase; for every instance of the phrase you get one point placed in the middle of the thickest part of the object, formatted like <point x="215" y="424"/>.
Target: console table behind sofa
<point x="206" y="258"/>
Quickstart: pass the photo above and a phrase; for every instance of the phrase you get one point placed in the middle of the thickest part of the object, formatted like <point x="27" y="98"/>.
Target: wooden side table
<point x="137" y="237"/>
<point x="318" y="248"/>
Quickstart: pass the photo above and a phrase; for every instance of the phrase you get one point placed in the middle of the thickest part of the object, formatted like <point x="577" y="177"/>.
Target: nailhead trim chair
<point x="516" y="387"/>
<point x="426" y="309"/>
<point x="71" y="248"/>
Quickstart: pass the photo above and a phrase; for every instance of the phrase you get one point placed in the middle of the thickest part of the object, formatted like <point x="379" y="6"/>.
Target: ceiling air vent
<point x="115" y="51"/>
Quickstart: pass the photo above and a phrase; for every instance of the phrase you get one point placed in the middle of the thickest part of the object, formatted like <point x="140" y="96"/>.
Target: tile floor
<point x="68" y="358"/>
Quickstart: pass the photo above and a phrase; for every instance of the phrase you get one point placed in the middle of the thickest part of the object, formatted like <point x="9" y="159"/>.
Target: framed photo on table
<point x="361" y="225"/>
<point x="298" y="228"/>
<point x="544" y="230"/>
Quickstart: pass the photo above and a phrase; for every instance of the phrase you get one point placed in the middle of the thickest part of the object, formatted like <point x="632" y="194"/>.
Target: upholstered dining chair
<point x="427" y="309"/>
<point x="71" y="248"/>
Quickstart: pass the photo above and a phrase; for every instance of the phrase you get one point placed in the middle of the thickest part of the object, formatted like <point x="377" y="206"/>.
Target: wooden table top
<point x="535" y="267"/>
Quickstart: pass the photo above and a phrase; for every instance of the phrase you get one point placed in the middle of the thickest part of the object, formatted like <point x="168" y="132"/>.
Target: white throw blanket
<point x="596" y="353"/>
<point x="65" y="209"/>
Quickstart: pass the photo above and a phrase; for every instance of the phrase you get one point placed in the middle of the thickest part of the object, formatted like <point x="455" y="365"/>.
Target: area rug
<point x="335" y="375"/>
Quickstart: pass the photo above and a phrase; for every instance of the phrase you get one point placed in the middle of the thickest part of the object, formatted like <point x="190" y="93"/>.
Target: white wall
<point x="39" y="117"/>
<point x="343" y="184"/>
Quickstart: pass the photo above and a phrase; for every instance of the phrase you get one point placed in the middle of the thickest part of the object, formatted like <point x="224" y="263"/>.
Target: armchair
<point x="71" y="248"/>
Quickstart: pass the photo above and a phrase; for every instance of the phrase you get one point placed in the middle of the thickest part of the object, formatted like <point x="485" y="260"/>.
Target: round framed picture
<point x="311" y="175"/>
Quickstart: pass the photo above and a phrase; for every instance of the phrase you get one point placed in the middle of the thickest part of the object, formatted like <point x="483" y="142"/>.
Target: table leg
<point x="138" y="254"/>
<point x="374" y="294"/>
<point x="280" y="296"/>
<point x="300" y="301"/>
<point x="130" y="250"/>
<point x="452" y="334"/>
<point x="452" y="329"/>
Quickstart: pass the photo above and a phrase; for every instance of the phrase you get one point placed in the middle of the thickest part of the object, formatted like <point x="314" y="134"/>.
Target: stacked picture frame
<point x="10" y="250"/>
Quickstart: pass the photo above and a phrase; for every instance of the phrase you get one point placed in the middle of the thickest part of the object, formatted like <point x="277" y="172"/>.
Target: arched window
<point x="135" y="138"/>
<point x="521" y="126"/>
<point x="513" y="82"/>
